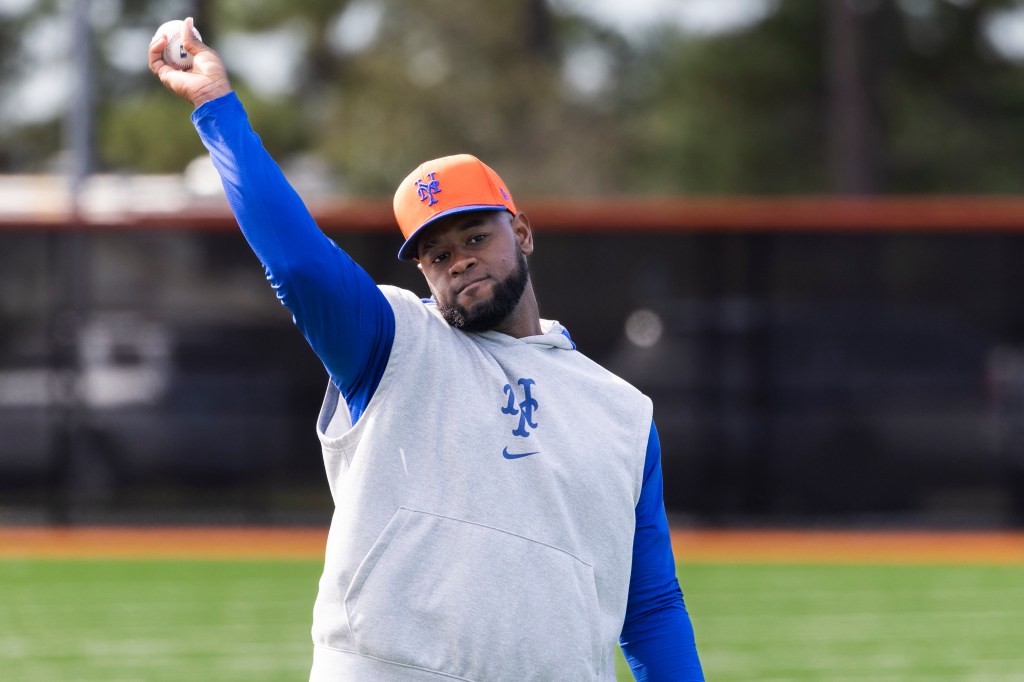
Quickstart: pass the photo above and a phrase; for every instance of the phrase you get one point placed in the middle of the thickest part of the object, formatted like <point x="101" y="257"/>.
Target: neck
<point x="524" y="320"/>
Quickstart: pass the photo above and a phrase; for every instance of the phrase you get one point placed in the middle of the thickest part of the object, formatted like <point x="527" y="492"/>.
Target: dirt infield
<point x="690" y="545"/>
<point x="849" y="547"/>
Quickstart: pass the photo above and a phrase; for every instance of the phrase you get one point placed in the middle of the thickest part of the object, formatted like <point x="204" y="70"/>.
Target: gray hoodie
<point x="484" y="510"/>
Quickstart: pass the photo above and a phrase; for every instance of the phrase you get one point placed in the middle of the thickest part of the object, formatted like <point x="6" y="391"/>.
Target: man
<point x="498" y="495"/>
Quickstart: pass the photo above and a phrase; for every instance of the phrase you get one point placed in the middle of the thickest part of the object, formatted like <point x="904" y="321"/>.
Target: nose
<point x="460" y="264"/>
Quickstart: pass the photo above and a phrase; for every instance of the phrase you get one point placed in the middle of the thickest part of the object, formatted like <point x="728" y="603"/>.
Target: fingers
<point x="189" y="41"/>
<point x="157" y="65"/>
<point x="156" y="53"/>
<point x="168" y="75"/>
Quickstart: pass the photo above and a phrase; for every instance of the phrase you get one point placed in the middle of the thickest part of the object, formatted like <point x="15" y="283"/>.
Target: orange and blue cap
<point x="441" y="187"/>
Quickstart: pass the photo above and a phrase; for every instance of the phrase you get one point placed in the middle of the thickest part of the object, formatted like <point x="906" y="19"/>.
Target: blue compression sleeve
<point x="334" y="302"/>
<point x="657" y="636"/>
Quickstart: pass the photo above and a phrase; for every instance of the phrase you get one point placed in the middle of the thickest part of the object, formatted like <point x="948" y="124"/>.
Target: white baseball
<point x="175" y="54"/>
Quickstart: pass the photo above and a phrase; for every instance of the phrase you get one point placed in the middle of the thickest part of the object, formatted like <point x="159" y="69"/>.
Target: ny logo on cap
<point x="427" y="190"/>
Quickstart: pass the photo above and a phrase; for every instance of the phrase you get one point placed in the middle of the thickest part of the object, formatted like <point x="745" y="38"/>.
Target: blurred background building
<point x="795" y="225"/>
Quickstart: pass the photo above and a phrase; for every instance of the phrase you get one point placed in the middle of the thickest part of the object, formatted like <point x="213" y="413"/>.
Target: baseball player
<point x="498" y="495"/>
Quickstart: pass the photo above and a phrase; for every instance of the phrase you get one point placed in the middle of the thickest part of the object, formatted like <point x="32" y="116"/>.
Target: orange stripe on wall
<point x="955" y="213"/>
<point x="305" y="543"/>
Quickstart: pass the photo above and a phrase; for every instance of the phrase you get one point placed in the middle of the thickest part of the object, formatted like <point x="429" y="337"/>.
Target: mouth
<point x="469" y="286"/>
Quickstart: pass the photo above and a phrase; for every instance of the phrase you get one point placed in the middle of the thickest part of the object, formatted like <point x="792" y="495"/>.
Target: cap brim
<point x="408" y="250"/>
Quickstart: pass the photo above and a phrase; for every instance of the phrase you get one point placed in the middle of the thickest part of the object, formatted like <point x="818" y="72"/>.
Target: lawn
<point x="221" y="621"/>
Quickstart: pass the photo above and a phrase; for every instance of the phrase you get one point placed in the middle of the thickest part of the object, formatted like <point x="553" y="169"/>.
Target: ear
<point x="524" y="233"/>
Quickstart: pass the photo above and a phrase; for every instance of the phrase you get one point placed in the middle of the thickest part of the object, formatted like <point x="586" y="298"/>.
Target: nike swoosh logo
<point x="507" y="455"/>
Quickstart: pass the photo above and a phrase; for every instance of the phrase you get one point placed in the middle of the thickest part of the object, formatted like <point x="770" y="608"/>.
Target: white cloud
<point x="267" y="61"/>
<point x="12" y="8"/>
<point x="43" y="94"/>
<point x="356" y="28"/>
<point x="127" y="48"/>
<point x="42" y="97"/>
<point x="636" y="17"/>
<point x="587" y="70"/>
<point x="1005" y="33"/>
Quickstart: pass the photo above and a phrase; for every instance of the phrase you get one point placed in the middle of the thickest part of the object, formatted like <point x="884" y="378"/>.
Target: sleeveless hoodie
<point x="484" y="510"/>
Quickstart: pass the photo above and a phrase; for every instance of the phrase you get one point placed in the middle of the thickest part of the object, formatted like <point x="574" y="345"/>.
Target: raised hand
<point x="206" y="80"/>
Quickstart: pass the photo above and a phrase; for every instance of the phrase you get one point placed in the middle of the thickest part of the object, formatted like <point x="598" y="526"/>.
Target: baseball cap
<point x="441" y="187"/>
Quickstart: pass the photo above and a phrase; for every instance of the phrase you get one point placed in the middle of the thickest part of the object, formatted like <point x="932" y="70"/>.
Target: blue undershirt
<point x="351" y="327"/>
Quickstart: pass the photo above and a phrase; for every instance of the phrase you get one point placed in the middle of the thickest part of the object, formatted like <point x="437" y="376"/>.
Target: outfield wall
<point x="846" y="361"/>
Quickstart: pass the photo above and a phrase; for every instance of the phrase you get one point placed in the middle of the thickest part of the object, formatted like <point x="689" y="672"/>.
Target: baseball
<point x="175" y="54"/>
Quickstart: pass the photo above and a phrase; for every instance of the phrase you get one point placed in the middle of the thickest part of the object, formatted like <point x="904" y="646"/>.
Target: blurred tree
<point x="440" y="80"/>
<point x="25" y="141"/>
<point x="377" y="86"/>
<point x="852" y="120"/>
<point x="897" y="96"/>
<point x="847" y="95"/>
<point x="741" y="112"/>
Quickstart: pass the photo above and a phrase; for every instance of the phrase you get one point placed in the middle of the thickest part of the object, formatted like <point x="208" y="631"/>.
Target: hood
<point x="554" y="336"/>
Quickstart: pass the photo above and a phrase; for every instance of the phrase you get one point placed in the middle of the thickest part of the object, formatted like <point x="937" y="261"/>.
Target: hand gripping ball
<point x="175" y="54"/>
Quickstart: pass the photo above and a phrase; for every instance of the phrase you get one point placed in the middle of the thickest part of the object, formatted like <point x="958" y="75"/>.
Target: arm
<point x="339" y="309"/>
<point x="657" y="636"/>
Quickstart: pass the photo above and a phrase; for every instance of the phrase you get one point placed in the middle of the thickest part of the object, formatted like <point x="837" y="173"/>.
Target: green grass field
<point x="220" y="621"/>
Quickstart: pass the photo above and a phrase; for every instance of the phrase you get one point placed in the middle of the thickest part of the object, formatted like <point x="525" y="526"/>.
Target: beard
<point x="487" y="315"/>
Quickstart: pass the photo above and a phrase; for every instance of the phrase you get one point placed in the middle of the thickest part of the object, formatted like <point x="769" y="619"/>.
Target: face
<point x="475" y="265"/>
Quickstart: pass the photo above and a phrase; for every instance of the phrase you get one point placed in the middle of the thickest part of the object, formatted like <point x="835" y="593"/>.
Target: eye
<point x="476" y="239"/>
<point x="439" y="257"/>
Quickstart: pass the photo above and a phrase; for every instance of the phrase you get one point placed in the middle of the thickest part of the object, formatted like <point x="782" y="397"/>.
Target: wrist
<point x="205" y="95"/>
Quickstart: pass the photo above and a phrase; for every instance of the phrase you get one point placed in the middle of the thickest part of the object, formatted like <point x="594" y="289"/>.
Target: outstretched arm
<point x="339" y="309"/>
